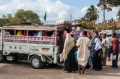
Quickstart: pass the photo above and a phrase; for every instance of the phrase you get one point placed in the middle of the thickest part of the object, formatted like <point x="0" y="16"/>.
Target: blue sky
<point x="56" y="9"/>
<point x="80" y="3"/>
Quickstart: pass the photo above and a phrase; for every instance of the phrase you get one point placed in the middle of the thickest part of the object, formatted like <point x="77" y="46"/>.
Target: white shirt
<point x="105" y="42"/>
<point x="109" y="40"/>
<point x="97" y="44"/>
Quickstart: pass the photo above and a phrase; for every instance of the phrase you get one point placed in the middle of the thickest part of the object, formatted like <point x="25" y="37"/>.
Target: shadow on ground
<point x="27" y="64"/>
<point x="107" y="70"/>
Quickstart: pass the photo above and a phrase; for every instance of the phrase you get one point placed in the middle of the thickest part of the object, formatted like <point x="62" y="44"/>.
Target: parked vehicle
<point x="35" y="49"/>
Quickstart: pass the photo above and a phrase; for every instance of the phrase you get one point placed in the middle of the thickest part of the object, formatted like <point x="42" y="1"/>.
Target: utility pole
<point x="70" y="18"/>
<point x="98" y="16"/>
<point x="47" y="22"/>
<point x="104" y="12"/>
<point x="104" y="7"/>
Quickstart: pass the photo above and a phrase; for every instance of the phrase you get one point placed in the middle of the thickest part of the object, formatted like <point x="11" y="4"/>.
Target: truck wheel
<point x="1" y="58"/>
<point x="15" y="59"/>
<point x="36" y="62"/>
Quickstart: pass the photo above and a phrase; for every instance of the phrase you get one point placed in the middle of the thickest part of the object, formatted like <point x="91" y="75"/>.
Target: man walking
<point x="115" y="48"/>
<point x="109" y="39"/>
<point x="83" y="45"/>
<point x="105" y="46"/>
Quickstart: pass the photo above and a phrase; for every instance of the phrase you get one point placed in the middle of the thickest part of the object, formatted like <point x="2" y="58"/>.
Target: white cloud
<point x="55" y="10"/>
<point x="109" y="15"/>
<point x="84" y="9"/>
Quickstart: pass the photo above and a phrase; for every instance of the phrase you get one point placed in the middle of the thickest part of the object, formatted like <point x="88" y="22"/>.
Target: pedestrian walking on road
<point x="83" y="45"/>
<point x="109" y="38"/>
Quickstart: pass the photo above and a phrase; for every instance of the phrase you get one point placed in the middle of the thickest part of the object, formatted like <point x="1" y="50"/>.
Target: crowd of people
<point x="83" y="48"/>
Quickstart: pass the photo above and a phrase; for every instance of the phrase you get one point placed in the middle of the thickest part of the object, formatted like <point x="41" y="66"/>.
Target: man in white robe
<point x="83" y="45"/>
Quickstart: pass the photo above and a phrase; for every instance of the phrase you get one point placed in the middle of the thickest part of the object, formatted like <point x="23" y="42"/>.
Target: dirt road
<point x="24" y="71"/>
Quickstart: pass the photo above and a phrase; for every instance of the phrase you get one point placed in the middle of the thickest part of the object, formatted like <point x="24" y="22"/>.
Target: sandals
<point x="79" y="72"/>
<point x="85" y="73"/>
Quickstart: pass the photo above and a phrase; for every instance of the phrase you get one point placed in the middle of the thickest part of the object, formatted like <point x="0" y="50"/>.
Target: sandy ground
<point x="22" y="70"/>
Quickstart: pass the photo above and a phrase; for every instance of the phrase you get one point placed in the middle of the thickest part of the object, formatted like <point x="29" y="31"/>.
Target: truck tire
<point x="1" y="58"/>
<point x="15" y="59"/>
<point x="36" y="62"/>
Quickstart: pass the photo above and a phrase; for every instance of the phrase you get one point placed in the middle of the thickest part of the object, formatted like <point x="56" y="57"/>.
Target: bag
<point x="114" y="57"/>
<point x="75" y="56"/>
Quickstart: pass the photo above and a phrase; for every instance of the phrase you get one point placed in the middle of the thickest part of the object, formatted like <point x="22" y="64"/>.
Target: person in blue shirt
<point x="91" y="53"/>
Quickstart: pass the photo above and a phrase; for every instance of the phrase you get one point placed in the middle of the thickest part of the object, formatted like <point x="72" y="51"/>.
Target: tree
<point x="118" y="14"/>
<point x="112" y="3"/>
<point x="3" y="20"/>
<point x="91" y="13"/>
<point x="20" y="16"/>
<point x="110" y="21"/>
<point x="27" y="16"/>
<point x="83" y="19"/>
<point x="105" y="5"/>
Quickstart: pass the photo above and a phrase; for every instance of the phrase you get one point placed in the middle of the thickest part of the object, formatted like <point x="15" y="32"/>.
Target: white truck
<point x="35" y="49"/>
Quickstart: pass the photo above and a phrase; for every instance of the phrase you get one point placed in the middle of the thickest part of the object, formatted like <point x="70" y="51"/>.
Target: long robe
<point x="97" y="65"/>
<point x="83" y="51"/>
<point x="68" y="54"/>
<point x="70" y="64"/>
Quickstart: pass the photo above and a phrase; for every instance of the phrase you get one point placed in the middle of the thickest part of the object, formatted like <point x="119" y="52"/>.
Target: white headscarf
<point x="68" y="45"/>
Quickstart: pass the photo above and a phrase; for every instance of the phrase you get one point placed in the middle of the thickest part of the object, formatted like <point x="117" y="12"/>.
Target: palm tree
<point x="105" y="5"/>
<point x="110" y="21"/>
<point x="118" y="14"/>
<point x="112" y="3"/>
<point x="91" y="13"/>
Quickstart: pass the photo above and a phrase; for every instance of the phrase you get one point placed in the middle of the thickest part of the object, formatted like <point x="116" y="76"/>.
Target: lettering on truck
<point x="34" y="48"/>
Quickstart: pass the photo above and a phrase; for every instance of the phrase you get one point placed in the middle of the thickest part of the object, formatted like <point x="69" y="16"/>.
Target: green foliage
<point x="112" y="3"/>
<point x="104" y="4"/>
<point x="83" y="19"/>
<point x="3" y="20"/>
<point x="20" y="16"/>
<point x="27" y="16"/>
<point x="91" y="14"/>
<point x="110" y="21"/>
<point x="118" y="14"/>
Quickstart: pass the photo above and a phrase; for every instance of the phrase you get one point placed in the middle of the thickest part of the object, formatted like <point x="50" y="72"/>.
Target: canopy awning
<point x="31" y="27"/>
